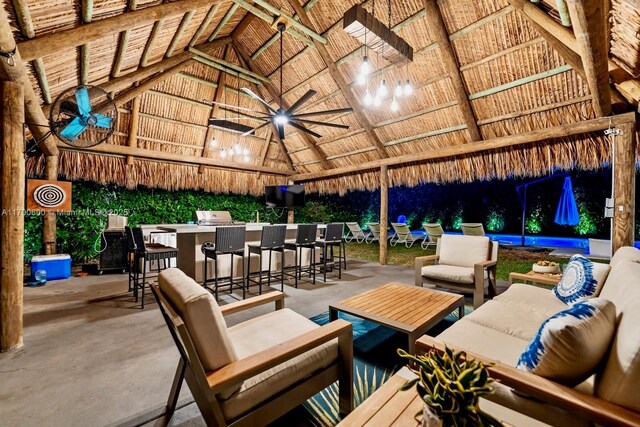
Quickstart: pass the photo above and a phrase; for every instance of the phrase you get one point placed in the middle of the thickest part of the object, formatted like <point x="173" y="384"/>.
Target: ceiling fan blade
<point x="249" y="132"/>
<point x="281" y="132"/>
<point x="312" y="122"/>
<point x="304" y="129"/>
<point x="304" y="98"/>
<point x="82" y="98"/>
<point x="235" y="107"/>
<point x="73" y="130"/>
<point x="228" y="119"/>
<point x="257" y="98"/>
<point x="103" y="121"/>
<point x="325" y="112"/>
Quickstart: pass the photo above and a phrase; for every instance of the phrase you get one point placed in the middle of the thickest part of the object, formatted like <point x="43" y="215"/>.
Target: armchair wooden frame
<point x="489" y="266"/>
<point x="589" y="407"/>
<point x="205" y="386"/>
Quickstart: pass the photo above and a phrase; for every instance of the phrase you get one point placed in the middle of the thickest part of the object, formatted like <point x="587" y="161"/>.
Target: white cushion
<point x="570" y="344"/>
<point x="625" y="253"/>
<point x="463" y="251"/>
<point x="527" y="298"/>
<point x="449" y="273"/>
<point x="259" y="334"/>
<point x="618" y="381"/>
<point x="468" y="335"/>
<point x="580" y="279"/>
<point x="202" y="317"/>
<point x="509" y="319"/>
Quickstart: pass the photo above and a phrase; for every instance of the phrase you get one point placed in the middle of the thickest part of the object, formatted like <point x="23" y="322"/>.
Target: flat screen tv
<point x="284" y="196"/>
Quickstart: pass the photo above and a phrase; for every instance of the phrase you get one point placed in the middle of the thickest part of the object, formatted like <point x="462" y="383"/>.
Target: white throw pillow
<point x="570" y="345"/>
<point x="581" y="278"/>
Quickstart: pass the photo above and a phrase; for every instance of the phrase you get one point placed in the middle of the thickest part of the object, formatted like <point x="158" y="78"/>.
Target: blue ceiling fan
<point x="84" y="116"/>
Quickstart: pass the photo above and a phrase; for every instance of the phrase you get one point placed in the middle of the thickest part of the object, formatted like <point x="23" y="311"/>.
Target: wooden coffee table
<point x="532" y="276"/>
<point x="412" y="310"/>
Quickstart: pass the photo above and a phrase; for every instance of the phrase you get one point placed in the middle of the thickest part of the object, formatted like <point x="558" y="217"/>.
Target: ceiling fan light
<point x="382" y="89"/>
<point x="281" y="119"/>
<point x="408" y="89"/>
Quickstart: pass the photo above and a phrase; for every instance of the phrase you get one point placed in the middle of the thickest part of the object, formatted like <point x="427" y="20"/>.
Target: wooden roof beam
<point x="184" y="24"/>
<point x="25" y="23"/>
<point x="590" y="30"/>
<point x="87" y="17"/>
<point x="273" y="92"/>
<point x="155" y="32"/>
<point x="508" y="141"/>
<point x="227" y="16"/>
<point x="342" y="84"/>
<point x="436" y="23"/>
<point x="204" y="24"/>
<point x="217" y="96"/>
<point x="142" y="153"/>
<point x="35" y="118"/>
<point x="624" y="83"/>
<point x="73" y="37"/>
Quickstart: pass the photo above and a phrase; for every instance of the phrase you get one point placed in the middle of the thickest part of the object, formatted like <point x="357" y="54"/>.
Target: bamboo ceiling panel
<point x="106" y="8"/>
<point x="137" y="41"/>
<point x="458" y="14"/>
<point x="161" y="43"/>
<point x="625" y="35"/>
<point x="355" y="158"/>
<point x="62" y="70"/>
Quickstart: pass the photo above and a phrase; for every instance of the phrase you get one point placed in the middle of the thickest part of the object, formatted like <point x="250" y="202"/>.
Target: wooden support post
<point x="12" y="170"/>
<point x="587" y="17"/>
<point x="290" y="216"/>
<point x="384" y="213"/>
<point x="133" y="127"/>
<point x="49" y="221"/>
<point x="436" y="23"/>
<point x="624" y="185"/>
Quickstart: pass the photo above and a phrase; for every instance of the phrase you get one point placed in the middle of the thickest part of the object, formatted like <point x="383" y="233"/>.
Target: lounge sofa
<point x="501" y="329"/>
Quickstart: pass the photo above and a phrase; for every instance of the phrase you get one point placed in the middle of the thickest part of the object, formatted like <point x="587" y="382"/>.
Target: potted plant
<point x="450" y="384"/>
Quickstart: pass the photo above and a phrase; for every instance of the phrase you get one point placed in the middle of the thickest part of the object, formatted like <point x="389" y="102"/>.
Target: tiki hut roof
<point x="518" y="68"/>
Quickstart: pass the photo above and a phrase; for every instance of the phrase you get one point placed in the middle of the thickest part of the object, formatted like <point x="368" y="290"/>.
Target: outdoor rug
<point x="375" y="361"/>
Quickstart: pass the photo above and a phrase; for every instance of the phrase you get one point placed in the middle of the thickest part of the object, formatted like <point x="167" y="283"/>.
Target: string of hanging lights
<point x="235" y="150"/>
<point x="401" y="90"/>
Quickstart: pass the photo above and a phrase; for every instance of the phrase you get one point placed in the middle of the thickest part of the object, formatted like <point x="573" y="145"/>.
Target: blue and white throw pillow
<point x="570" y="344"/>
<point x="581" y="278"/>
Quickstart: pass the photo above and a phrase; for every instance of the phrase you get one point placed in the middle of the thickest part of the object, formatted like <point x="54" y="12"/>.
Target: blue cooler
<point x="56" y="266"/>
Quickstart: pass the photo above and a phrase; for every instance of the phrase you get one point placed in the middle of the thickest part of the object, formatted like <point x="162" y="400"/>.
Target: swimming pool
<point x="544" y="241"/>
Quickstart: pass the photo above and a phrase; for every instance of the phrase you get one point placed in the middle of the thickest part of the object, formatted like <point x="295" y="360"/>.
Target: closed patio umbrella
<point x="567" y="211"/>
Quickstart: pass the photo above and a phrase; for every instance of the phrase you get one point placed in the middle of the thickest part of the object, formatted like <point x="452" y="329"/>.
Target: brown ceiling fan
<point x="281" y="117"/>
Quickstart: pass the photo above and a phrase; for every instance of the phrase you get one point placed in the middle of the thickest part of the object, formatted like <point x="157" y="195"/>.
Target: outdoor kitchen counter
<point x="190" y="238"/>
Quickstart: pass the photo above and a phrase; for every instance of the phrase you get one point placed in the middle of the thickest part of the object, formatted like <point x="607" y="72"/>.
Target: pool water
<point x="544" y="241"/>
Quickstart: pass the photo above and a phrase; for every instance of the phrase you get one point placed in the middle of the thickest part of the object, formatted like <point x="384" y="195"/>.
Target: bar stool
<point x="332" y="239"/>
<point x="272" y="240"/>
<point x="141" y="253"/>
<point x="305" y="238"/>
<point x="229" y="241"/>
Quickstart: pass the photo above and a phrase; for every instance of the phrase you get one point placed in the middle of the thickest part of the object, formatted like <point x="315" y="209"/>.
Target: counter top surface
<point x="193" y="228"/>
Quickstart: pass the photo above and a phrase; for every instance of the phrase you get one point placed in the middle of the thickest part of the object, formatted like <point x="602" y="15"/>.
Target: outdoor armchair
<point x="256" y="371"/>
<point x="433" y="233"/>
<point x="462" y="263"/>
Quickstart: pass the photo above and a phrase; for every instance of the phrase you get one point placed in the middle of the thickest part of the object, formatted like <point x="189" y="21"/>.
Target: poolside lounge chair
<point x="434" y="231"/>
<point x="355" y="233"/>
<point x="374" y="232"/>
<point x="472" y="229"/>
<point x="403" y="235"/>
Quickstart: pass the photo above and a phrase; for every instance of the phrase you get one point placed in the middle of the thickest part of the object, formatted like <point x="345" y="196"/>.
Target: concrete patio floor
<point x="91" y="356"/>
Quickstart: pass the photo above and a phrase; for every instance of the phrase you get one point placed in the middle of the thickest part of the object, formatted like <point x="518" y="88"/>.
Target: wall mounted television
<point x="284" y="196"/>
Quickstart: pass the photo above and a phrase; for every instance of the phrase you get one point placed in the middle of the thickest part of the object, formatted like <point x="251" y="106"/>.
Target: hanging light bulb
<point x="236" y="149"/>
<point x="368" y="99"/>
<point x="394" y="105"/>
<point x="362" y="79"/>
<point x="408" y="89"/>
<point x="223" y="153"/>
<point x="364" y="67"/>
<point x="213" y="142"/>
<point x="246" y="159"/>
<point x="245" y="152"/>
<point x="398" y="91"/>
<point x="382" y="89"/>
<point x="377" y="101"/>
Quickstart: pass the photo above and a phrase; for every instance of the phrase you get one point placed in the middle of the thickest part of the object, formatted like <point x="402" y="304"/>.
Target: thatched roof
<point x="516" y="81"/>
